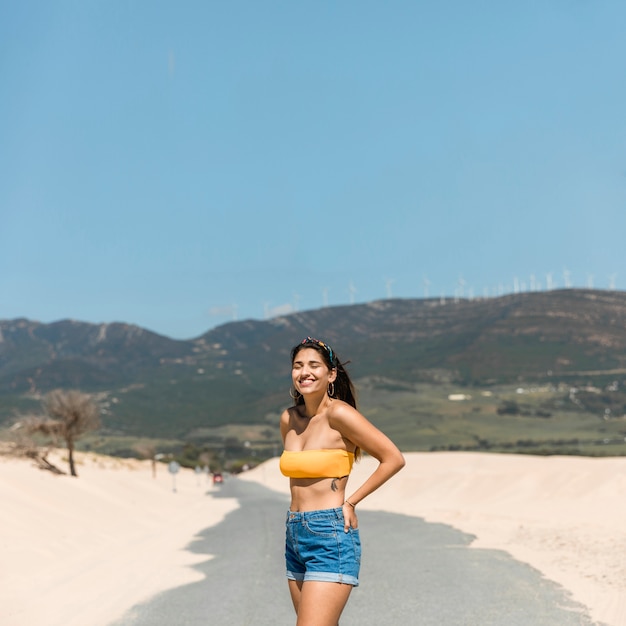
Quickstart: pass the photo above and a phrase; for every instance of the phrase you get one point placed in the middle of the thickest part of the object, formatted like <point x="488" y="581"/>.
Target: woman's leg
<point x="319" y="603"/>
<point x="295" y="589"/>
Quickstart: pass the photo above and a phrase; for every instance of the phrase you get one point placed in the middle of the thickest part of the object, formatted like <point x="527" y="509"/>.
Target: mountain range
<point x="239" y="373"/>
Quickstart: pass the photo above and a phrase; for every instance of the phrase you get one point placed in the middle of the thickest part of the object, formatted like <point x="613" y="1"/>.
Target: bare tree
<point x="68" y="416"/>
<point x="147" y="451"/>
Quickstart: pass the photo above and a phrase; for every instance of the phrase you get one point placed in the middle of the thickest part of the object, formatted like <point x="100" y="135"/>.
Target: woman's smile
<point x="306" y="383"/>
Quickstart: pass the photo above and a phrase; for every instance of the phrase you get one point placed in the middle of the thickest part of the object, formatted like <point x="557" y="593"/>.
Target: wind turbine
<point x="460" y="290"/>
<point x="388" y="283"/>
<point x="567" y="278"/>
<point x="426" y="286"/>
<point x="612" y="278"/>
<point x="549" y="283"/>
<point x="352" y="291"/>
<point x="589" y="281"/>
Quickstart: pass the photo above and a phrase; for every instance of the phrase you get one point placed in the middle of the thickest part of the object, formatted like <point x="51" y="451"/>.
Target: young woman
<point x="323" y="433"/>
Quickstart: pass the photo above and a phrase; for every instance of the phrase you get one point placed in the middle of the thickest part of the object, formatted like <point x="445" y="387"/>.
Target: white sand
<point x="565" y="516"/>
<point x="82" y="551"/>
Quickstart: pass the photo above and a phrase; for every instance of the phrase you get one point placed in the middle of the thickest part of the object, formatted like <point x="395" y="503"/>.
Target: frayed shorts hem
<point x="324" y="577"/>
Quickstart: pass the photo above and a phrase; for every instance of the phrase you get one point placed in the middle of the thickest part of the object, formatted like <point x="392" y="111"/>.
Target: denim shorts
<point x="318" y="548"/>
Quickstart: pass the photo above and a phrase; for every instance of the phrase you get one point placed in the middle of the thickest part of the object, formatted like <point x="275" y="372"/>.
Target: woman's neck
<point x="313" y="406"/>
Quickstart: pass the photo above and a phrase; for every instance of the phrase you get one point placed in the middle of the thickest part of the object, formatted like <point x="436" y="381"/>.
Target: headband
<point x="317" y="342"/>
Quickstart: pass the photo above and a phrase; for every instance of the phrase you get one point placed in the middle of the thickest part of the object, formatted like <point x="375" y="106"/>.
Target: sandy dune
<point x="82" y="551"/>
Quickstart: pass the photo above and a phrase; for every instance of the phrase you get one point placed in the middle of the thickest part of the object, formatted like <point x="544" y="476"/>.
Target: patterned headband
<point x="317" y="342"/>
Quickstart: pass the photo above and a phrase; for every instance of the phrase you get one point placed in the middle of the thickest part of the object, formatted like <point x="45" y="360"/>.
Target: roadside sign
<point x="173" y="468"/>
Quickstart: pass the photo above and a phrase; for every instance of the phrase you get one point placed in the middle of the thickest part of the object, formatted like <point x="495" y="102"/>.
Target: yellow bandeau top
<point x="323" y="463"/>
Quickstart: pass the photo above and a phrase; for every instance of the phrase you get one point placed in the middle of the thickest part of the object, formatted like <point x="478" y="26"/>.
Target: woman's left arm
<point x="357" y="429"/>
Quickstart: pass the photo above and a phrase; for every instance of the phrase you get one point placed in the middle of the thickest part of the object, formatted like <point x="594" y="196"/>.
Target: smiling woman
<point x="323" y="434"/>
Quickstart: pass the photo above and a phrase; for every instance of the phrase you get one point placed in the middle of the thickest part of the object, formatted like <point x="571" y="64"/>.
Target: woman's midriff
<point x="315" y="494"/>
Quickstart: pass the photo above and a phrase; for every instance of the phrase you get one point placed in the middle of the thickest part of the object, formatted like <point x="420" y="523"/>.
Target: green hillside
<point x="539" y="372"/>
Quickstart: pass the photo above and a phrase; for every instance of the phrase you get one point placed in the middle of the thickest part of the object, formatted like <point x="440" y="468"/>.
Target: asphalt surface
<point x="412" y="573"/>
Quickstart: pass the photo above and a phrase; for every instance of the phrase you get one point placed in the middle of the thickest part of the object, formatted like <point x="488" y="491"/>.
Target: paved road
<point x="412" y="573"/>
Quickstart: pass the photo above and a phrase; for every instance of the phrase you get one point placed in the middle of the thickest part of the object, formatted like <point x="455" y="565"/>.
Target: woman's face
<point x="309" y="372"/>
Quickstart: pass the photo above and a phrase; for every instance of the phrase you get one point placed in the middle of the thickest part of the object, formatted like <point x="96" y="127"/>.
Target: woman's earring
<point x="331" y="389"/>
<point x="294" y="394"/>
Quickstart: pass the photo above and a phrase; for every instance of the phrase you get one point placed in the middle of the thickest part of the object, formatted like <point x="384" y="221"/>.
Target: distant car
<point x="217" y="478"/>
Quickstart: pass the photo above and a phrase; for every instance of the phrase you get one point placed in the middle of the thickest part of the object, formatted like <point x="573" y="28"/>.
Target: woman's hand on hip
<point x="349" y="517"/>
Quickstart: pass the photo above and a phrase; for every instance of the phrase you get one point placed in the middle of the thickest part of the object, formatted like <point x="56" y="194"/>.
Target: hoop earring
<point x="294" y="394"/>
<point x="331" y="389"/>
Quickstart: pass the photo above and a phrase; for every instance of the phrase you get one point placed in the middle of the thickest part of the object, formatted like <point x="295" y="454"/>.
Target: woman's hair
<point x="343" y="389"/>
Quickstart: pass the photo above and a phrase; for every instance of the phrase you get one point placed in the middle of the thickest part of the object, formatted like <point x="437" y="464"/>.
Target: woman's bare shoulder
<point x="285" y="416"/>
<point x="285" y="423"/>
<point x="340" y="411"/>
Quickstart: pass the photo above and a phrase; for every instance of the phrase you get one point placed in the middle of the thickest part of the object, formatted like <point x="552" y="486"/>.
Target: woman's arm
<point x="357" y="429"/>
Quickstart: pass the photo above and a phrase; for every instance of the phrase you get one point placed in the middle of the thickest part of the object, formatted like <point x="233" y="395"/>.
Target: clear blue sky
<point x="174" y="164"/>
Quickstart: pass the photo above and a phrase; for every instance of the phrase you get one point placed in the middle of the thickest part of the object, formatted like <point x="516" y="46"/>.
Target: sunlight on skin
<point x="318" y="603"/>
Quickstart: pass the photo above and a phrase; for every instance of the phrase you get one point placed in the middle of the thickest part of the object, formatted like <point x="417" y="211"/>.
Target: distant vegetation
<point x="66" y="417"/>
<point x="540" y="373"/>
